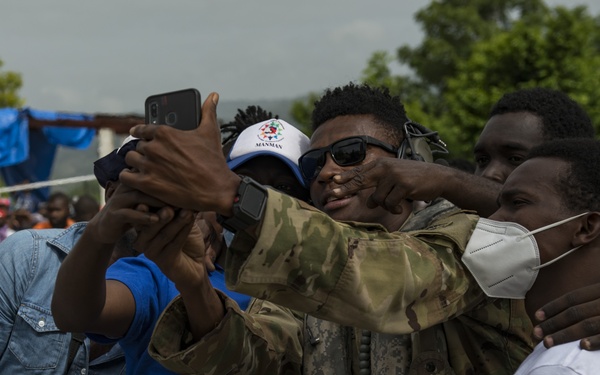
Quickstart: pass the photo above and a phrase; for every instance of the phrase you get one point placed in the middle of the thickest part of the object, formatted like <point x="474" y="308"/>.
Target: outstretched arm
<point x="398" y="179"/>
<point x="574" y="316"/>
<point x="84" y="301"/>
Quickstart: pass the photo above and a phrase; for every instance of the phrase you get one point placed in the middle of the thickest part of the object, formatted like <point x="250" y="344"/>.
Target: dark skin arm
<point x="574" y="316"/>
<point x="398" y="179"/>
<point x="180" y="254"/>
<point x="83" y="300"/>
<point x="186" y="169"/>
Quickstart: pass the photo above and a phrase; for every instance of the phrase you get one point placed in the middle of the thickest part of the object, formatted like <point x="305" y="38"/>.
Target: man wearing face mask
<point x="544" y="241"/>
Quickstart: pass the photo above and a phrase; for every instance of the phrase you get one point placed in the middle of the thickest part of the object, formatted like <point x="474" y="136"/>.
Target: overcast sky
<point x="108" y="56"/>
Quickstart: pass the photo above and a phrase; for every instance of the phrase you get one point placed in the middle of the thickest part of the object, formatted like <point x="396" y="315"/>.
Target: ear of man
<point x="588" y="230"/>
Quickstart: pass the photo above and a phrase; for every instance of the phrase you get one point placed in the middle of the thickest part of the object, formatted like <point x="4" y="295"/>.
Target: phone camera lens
<point x="171" y="118"/>
<point x="153" y="110"/>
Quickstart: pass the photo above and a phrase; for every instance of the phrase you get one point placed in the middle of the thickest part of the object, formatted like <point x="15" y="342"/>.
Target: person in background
<point x="5" y="219"/>
<point x="85" y="207"/>
<point x="58" y="212"/>
<point x="123" y="302"/>
<point x="22" y="219"/>
<point x="24" y="199"/>
<point x="30" y="341"/>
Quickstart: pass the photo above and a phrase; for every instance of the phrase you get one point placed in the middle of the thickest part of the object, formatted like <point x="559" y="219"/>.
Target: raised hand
<point x="126" y="209"/>
<point x="398" y="179"/>
<point x="394" y="180"/>
<point x="186" y="169"/>
<point x="174" y="246"/>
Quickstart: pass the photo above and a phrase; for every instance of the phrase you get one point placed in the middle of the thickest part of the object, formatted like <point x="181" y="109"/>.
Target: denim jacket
<point x="30" y="342"/>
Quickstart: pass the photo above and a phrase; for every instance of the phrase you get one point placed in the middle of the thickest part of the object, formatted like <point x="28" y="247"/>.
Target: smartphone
<point x="179" y="109"/>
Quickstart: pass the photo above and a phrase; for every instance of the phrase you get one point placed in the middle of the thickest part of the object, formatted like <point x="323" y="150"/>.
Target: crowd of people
<point x="250" y="248"/>
<point x="59" y="211"/>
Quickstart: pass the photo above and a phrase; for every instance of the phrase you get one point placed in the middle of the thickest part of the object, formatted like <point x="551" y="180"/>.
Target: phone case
<point x="179" y="109"/>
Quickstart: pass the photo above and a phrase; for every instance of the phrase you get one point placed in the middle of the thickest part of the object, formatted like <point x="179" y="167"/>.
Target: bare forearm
<point x="471" y="192"/>
<point x="80" y="289"/>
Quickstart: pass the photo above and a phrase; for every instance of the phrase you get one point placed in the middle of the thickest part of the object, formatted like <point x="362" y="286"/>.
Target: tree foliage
<point x="561" y="51"/>
<point x="473" y="51"/>
<point x="301" y="112"/>
<point x="10" y="83"/>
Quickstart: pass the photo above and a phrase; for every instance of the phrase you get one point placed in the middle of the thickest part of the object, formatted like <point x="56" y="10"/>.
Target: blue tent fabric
<point x="27" y="155"/>
<point x="79" y="138"/>
<point x="36" y="167"/>
<point x="14" y="132"/>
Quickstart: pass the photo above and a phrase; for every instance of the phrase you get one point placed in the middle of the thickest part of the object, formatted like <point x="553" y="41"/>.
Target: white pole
<point x="106" y="144"/>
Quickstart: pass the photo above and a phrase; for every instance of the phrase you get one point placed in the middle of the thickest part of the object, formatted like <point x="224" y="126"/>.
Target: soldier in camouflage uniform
<point x="378" y="293"/>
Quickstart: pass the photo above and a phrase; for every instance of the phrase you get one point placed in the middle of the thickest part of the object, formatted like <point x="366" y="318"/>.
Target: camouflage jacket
<point x="357" y="278"/>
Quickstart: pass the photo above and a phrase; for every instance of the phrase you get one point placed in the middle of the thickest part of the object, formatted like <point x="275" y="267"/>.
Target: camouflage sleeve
<point x="355" y="274"/>
<point x="266" y="339"/>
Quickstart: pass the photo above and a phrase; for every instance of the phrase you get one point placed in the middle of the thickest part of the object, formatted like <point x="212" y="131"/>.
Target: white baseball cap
<point x="273" y="137"/>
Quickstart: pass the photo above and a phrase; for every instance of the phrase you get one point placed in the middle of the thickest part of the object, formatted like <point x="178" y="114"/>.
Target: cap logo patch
<point x="271" y="131"/>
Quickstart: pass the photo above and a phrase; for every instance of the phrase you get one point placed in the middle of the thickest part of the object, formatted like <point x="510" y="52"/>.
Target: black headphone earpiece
<point x="420" y="143"/>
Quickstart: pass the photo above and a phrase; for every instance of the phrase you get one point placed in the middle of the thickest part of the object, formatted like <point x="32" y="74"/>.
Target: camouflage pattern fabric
<point x="266" y="339"/>
<point x="356" y="277"/>
<point x="342" y="272"/>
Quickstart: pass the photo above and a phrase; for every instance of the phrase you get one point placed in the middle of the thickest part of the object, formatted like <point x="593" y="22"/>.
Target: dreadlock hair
<point x="231" y="130"/>
<point x="362" y="99"/>
<point x="579" y="184"/>
<point x="560" y="115"/>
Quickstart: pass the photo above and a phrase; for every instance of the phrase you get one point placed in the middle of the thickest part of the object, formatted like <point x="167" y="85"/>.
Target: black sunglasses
<point x="347" y="151"/>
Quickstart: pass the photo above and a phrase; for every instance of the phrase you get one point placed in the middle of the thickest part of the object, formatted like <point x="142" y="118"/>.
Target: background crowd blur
<point x="59" y="211"/>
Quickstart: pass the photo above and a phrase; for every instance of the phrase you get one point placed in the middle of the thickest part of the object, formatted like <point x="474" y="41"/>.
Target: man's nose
<point x="495" y="172"/>
<point x="329" y="169"/>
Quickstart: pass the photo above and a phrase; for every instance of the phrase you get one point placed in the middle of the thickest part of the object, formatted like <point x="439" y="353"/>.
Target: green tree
<point x="474" y="51"/>
<point x="561" y="51"/>
<point x="10" y="83"/>
<point x="452" y="27"/>
<point x="301" y="111"/>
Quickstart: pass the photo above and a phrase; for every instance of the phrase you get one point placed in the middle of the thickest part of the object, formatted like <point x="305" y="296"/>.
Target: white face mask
<point x="504" y="257"/>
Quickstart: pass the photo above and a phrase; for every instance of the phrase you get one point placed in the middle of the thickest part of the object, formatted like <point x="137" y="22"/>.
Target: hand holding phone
<point x="179" y="109"/>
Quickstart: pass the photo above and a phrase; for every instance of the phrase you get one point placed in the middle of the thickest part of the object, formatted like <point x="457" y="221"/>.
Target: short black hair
<point x="59" y="196"/>
<point x="252" y="115"/>
<point x="580" y="185"/>
<point x="353" y="99"/>
<point x="561" y="116"/>
<point x="85" y="207"/>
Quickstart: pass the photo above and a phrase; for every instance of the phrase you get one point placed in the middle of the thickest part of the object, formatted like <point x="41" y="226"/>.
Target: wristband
<point x="248" y="206"/>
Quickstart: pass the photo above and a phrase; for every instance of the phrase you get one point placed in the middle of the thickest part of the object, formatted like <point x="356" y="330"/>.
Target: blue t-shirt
<point x="152" y="292"/>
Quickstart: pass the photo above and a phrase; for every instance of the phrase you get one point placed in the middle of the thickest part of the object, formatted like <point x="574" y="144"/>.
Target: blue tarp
<point x="27" y="155"/>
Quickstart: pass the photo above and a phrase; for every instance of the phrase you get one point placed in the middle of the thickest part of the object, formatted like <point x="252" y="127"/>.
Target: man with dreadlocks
<point x="243" y="119"/>
<point x="375" y="287"/>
